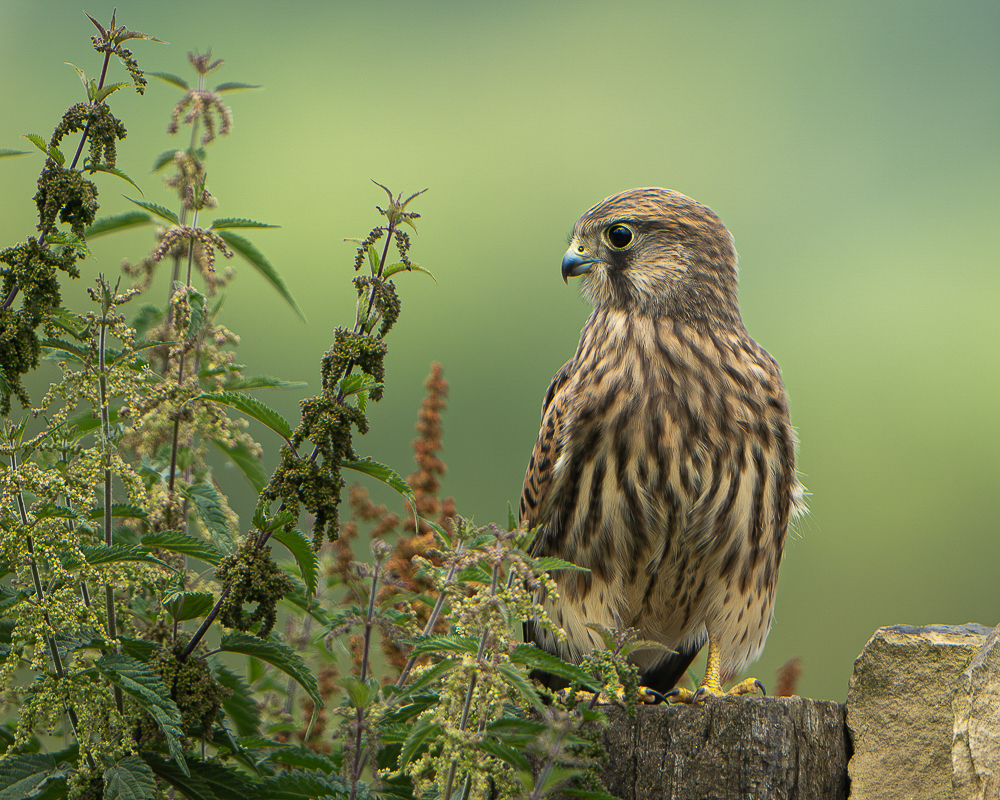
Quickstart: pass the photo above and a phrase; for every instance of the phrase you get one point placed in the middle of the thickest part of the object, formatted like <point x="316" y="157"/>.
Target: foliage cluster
<point x="121" y="559"/>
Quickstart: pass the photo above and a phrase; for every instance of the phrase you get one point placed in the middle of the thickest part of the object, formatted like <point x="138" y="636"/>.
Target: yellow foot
<point x="646" y="695"/>
<point x="713" y="689"/>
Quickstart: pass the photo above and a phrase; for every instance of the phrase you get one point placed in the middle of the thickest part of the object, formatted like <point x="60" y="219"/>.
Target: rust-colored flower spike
<point x="665" y="463"/>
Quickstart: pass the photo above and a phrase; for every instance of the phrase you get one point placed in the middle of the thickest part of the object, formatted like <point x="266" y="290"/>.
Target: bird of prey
<point x="665" y="463"/>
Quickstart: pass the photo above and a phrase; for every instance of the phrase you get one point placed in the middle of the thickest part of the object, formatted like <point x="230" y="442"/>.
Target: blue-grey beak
<point x="573" y="265"/>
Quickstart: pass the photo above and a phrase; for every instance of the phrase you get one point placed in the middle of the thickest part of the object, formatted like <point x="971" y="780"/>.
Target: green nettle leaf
<point x="113" y="554"/>
<point x="234" y="86"/>
<point x="7" y="153"/>
<point x="373" y="259"/>
<point x="530" y="656"/>
<point x="117" y="222"/>
<point x="149" y="315"/>
<point x="382" y="473"/>
<point x="129" y="779"/>
<point x="116" y="172"/>
<point x="55" y="511"/>
<point x="119" y="511"/>
<point x="23" y="774"/>
<point x="278" y="655"/>
<point x="239" y="222"/>
<point x="499" y="750"/>
<point x="75" y="353"/>
<point x="189" y="605"/>
<point x="202" y="780"/>
<point x="446" y="643"/>
<point x="422" y="735"/>
<point x="76" y="326"/>
<point x="68" y="239"/>
<point x="392" y="269"/>
<point x="301" y="549"/>
<point x="260" y="382"/>
<point x="164" y="158"/>
<point x="357" y="382"/>
<point x="144" y="686"/>
<point x="184" y="543"/>
<point x="252" y="407"/>
<point x="517" y="681"/>
<point x="547" y="563"/>
<point x="257" y="259"/>
<point x="247" y="463"/>
<point x="197" y="303"/>
<point x="102" y="94"/>
<point x="37" y="141"/>
<point x="209" y="507"/>
<point x="241" y="705"/>
<point x="173" y="80"/>
<point x="160" y="211"/>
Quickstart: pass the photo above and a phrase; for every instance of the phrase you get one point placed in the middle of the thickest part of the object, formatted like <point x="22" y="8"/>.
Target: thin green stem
<point x="369" y="624"/>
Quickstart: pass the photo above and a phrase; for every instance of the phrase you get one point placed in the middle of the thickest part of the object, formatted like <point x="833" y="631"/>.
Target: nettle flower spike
<point x="110" y="42"/>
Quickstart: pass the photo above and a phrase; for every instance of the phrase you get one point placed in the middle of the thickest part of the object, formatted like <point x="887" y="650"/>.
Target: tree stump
<point x="768" y="748"/>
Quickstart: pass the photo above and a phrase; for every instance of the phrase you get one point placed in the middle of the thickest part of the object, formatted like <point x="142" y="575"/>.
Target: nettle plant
<point x="138" y="612"/>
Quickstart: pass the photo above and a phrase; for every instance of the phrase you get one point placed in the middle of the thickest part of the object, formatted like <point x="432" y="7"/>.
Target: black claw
<point x="700" y="692"/>
<point x="672" y="693"/>
<point x="760" y="686"/>
<point x="654" y="698"/>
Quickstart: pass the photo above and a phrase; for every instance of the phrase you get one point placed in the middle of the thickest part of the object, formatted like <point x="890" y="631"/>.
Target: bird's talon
<point x="651" y="697"/>
<point x="760" y="686"/>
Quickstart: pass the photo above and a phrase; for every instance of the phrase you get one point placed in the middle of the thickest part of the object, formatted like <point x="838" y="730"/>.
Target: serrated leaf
<point x="301" y="756"/>
<point x="373" y="259"/>
<point x="140" y="649"/>
<point x="164" y="158"/>
<point x="382" y="473"/>
<point x="247" y="463"/>
<point x="446" y="643"/>
<point x="7" y="153"/>
<point x="37" y="141"/>
<point x="357" y="382"/>
<point x="117" y="222"/>
<point x="278" y="655"/>
<point x="112" y="554"/>
<point x="144" y="685"/>
<point x="116" y="172"/>
<point x="431" y="674"/>
<point x="401" y="267"/>
<point x="118" y="511"/>
<point x="148" y="316"/>
<point x="547" y="563"/>
<point x="239" y="222"/>
<point x="536" y="658"/>
<point x="260" y="382"/>
<point x="80" y="72"/>
<point x="248" y="250"/>
<point x="196" y="305"/>
<point x="208" y="505"/>
<point x="173" y="80"/>
<point x="129" y="779"/>
<point x="184" y="543"/>
<point x="517" y="681"/>
<point x="504" y="753"/>
<point x="74" y="352"/>
<point x="302" y="550"/>
<point x="160" y="211"/>
<point x="22" y="773"/>
<point x="423" y="734"/>
<point x="109" y="89"/>
<point x="233" y="86"/>
<point x="55" y="511"/>
<point x="202" y="780"/>
<point x="240" y="705"/>
<point x="189" y="605"/>
<point x="253" y="408"/>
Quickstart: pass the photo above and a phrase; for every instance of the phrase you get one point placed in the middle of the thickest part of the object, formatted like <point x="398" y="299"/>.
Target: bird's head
<point x="655" y="251"/>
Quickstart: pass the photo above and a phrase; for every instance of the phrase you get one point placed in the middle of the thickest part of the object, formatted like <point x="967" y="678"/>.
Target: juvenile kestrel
<point x="665" y="463"/>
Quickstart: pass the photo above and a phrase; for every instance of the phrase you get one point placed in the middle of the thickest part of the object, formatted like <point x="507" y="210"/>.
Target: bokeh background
<point x="851" y="148"/>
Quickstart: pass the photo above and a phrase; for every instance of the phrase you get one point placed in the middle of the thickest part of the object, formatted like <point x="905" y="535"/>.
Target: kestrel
<point x="665" y="463"/>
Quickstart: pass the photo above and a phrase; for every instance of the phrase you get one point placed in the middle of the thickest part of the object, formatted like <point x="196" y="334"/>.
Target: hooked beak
<point x="573" y="265"/>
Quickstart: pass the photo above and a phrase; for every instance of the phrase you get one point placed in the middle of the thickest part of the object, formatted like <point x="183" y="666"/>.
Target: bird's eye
<point x="620" y="236"/>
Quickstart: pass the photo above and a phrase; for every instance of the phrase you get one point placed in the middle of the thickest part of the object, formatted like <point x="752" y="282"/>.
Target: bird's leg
<point x="711" y="684"/>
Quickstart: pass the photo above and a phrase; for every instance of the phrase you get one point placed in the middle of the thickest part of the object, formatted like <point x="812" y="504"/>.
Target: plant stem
<point x="109" y="591"/>
<point x="369" y="624"/>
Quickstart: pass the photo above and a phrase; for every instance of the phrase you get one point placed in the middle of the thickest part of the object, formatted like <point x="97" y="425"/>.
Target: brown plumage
<point x="665" y="463"/>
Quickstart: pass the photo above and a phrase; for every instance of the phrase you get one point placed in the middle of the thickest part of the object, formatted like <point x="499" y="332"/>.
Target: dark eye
<point x="619" y="236"/>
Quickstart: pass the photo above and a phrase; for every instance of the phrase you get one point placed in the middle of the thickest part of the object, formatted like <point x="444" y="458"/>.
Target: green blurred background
<point x="850" y="147"/>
